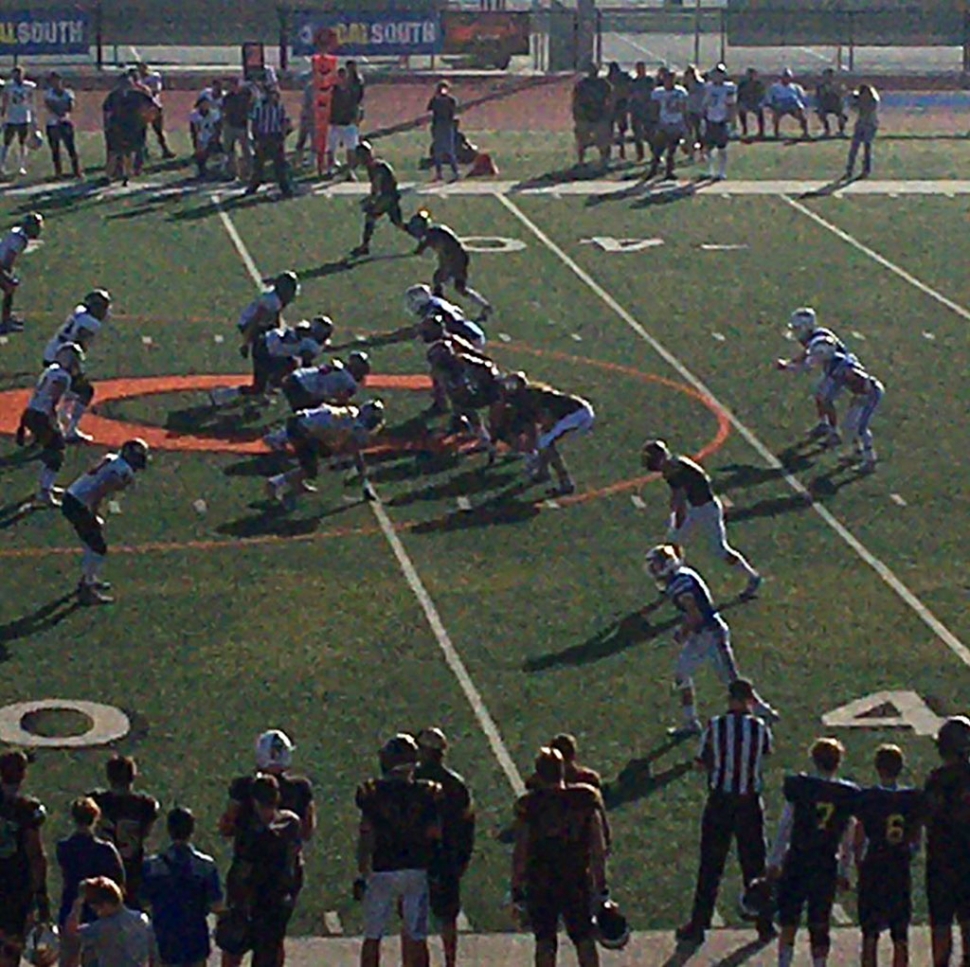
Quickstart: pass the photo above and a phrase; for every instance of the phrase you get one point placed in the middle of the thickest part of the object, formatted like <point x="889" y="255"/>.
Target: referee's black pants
<point x="727" y="816"/>
<point x="272" y="148"/>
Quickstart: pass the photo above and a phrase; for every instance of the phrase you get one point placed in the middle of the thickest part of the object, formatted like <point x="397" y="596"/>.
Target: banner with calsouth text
<point x="26" y="33"/>
<point x="394" y="33"/>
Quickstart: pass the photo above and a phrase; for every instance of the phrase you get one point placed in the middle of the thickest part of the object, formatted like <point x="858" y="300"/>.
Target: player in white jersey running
<point x="720" y="111"/>
<point x="81" y="327"/>
<point x="40" y="419"/>
<point x="327" y="431"/>
<point x="19" y="117"/>
<point x="670" y="100"/>
<point x="82" y="503"/>
<point x="12" y="246"/>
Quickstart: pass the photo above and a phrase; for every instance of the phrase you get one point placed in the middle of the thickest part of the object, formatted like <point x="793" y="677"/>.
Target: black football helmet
<point x="954" y="736"/>
<point x="758" y="901"/>
<point x="612" y="929"/>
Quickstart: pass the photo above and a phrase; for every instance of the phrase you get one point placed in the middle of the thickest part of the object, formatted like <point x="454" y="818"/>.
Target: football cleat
<point x="612" y="928"/>
<point x="758" y="901"/>
<point x="275" y="491"/>
<point x="689" y="731"/>
<point x="89" y="595"/>
<point x="751" y="589"/>
<point x="690" y="933"/>
<point x="359" y="251"/>
<point x="47" y="499"/>
<point x="78" y="436"/>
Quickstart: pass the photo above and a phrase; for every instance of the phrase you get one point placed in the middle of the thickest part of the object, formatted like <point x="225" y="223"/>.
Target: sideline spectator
<point x="694" y="85"/>
<point x="23" y="864"/>
<point x="82" y="856"/>
<point x="152" y="80"/>
<point x="400" y="828"/>
<point x="830" y="99"/>
<point x="266" y="875"/>
<point x="620" y="80"/>
<point x="865" y="99"/>
<point x="205" y="128"/>
<point x="592" y="106"/>
<point x="236" y="106"/>
<point x="20" y="117"/>
<point x="126" y="820"/>
<point x="271" y="126"/>
<point x="343" y="126"/>
<point x="451" y="859"/>
<point x="559" y="861"/>
<point x="787" y="99"/>
<point x="443" y="108"/>
<point x="305" y="134"/>
<point x="751" y="100"/>
<point x="119" y="937"/>
<point x="734" y="810"/>
<point x="181" y="885"/>
<point x="671" y="101"/>
<point x="59" y="101"/>
<point x="642" y="109"/>
<point x="127" y="111"/>
<point x="358" y="90"/>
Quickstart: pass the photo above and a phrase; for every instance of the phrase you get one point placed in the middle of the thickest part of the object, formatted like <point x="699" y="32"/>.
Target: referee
<point x="270" y="126"/>
<point x="732" y="753"/>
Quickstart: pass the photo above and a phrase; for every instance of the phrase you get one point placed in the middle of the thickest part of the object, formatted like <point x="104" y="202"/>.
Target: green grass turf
<point x="322" y="636"/>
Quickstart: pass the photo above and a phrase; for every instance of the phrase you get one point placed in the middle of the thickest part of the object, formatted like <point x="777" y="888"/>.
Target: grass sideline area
<point x="242" y="617"/>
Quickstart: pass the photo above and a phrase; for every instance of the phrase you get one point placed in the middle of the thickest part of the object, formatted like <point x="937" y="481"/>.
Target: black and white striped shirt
<point x="733" y="750"/>
<point x="269" y="118"/>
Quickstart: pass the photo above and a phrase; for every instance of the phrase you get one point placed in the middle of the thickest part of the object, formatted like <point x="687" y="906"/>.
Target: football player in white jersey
<point x="327" y="431"/>
<point x="20" y="118"/>
<point x="81" y="327"/>
<point x="110" y="475"/>
<point x="821" y="349"/>
<point x="41" y="421"/>
<point x="152" y="80"/>
<point x="12" y="246"/>
<point x="867" y="393"/>
<point x="670" y="100"/>
<point x="421" y="302"/>
<point x="720" y="111"/>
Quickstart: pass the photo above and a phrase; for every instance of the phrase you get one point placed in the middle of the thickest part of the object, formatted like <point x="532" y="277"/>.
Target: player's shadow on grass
<point x="830" y="188"/>
<point x="218" y="423"/>
<point x="18" y="458"/>
<point x="769" y="507"/>
<point x="734" y="476"/>
<point x="564" y="176"/>
<point x="500" y="509"/>
<point x="263" y="465"/>
<point x="627" y="632"/>
<point x="465" y="484"/>
<point x="46" y="616"/>
<point x="637" y="779"/>
<point x="272" y="519"/>
<point x="737" y="957"/>
<point x="661" y="195"/>
<point x="843" y="474"/>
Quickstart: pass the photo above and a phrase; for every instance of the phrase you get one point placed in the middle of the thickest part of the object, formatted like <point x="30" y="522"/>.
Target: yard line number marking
<point x="452" y="658"/>
<point x="885" y="573"/>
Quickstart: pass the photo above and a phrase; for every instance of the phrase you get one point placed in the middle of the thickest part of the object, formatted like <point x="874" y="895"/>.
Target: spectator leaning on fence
<point x="59" y="101"/>
<point x="787" y="99"/>
<point x="865" y="100"/>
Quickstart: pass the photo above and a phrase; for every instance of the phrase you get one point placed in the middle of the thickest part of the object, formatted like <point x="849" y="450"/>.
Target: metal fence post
<point x="99" y="36"/>
<point x="851" y="41"/>
<point x="723" y="31"/>
<point x="697" y="31"/>
<point x="283" y="19"/>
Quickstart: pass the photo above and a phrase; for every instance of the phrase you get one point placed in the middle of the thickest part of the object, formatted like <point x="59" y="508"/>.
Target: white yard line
<point x="881" y="259"/>
<point x="452" y="658"/>
<point x="885" y="573"/>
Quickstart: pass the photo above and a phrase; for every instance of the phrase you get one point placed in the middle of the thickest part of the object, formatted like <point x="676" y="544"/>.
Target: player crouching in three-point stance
<point x="40" y="419"/>
<point x="81" y="327"/>
<point x="453" y="259"/>
<point x="810" y="857"/>
<point x="541" y="417"/>
<point x="703" y="635"/>
<point x="325" y="432"/>
<point x="82" y="502"/>
<point x="694" y="506"/>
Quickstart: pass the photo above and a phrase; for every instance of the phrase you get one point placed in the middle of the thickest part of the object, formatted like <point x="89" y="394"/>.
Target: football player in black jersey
<point x="811" y="854"/>
<point x="384" y="197"/>
<point x="887" y="836"/>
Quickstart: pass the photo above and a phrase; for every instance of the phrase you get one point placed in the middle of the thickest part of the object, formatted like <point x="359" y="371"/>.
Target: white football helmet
<point x="71" y="357"/>
<point x="43" y="945"/>
<point x="661" y="562"/>
<point x="803" y="322"/>
<point x="417" y="299"/>
<point x="274" y="749"/>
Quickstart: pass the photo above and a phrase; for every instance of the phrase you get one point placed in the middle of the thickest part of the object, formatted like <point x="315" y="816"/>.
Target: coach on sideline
<point x="270" y="129"/>
<point x="732" y="753"/>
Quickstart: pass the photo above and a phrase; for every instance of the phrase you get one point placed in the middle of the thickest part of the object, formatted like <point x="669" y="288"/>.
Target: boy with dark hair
<point x="887" y="837"/>
<point x="126" y="820"/>
<point x="810" y="855"/>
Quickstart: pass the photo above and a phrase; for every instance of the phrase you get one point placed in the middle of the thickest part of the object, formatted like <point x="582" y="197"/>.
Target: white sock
<point x="785" y="955"/>
<point x="75" y="417"/>
<point x="47" y="478"/>
<point x="722" y="162"/>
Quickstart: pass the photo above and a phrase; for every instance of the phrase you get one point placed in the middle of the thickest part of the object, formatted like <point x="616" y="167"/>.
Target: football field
<point x="466" y="597"/>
